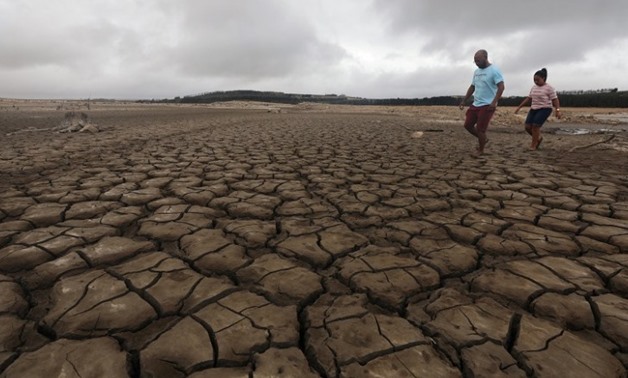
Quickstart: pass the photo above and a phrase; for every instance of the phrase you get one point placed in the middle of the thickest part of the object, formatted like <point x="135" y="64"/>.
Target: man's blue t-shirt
<point x="485" y="81"/>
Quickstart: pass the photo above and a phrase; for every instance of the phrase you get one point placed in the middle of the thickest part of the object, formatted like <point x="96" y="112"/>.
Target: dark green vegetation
<point x="605" y="99"/>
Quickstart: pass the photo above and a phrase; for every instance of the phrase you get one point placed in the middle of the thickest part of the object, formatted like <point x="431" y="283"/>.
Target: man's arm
<point x="498" y="95"/>
<point x="467" y="96"/>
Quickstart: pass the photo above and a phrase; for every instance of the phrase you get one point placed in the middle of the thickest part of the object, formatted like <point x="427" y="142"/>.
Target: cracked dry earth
<point x="195" y="242"/>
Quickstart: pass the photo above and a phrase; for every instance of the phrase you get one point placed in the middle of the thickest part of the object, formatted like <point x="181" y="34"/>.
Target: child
<point x="543" y="97"/>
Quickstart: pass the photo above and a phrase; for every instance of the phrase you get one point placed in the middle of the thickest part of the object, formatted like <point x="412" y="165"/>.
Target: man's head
<point x="481" y="59"/>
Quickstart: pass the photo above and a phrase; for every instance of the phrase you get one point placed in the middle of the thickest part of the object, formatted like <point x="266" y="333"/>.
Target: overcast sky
<point x="153" y="49"/>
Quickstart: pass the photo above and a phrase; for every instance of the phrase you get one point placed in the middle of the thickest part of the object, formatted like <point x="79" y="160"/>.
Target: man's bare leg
<point x="482" y="139"/>
<point x="471" y="129"/>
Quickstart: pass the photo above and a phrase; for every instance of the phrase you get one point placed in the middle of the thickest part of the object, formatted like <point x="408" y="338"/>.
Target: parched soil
<point x="258" y="240"/>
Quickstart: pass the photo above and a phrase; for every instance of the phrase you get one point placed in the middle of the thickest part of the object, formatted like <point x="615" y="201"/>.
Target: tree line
<point x="603" y="99"/>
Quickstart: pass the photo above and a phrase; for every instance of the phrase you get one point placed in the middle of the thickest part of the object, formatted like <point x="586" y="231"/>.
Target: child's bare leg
<point x="530" y="132"/>
<point x="536" y="131"/>
<point x="539" y="138"/>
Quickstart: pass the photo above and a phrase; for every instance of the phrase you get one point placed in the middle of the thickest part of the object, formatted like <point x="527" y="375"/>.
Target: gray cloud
<point x="260" y="40"/>
<point x="559" y="30"/>
<point x="467" y="20"/>
<point x="377" y="48"/>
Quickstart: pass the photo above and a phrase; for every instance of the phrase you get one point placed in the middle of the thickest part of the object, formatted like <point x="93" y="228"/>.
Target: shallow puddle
<point x="584" y="131"/>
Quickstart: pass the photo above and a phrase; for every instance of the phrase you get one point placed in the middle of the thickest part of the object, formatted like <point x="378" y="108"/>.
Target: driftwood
<point x="72" y="122"/>
<point x="593" y="144"/>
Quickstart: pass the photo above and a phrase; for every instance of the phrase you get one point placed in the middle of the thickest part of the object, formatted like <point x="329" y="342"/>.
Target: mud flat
<point x="239" y="240"/>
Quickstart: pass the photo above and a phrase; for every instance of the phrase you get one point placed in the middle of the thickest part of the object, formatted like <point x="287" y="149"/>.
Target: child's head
<point x="540" y="76"/>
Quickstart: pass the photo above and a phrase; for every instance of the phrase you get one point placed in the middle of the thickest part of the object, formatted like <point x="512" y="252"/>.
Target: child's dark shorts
<point x="537" y="117"/>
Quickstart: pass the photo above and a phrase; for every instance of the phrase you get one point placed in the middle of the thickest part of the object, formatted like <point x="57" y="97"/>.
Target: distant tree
<point x="599" y="98"/>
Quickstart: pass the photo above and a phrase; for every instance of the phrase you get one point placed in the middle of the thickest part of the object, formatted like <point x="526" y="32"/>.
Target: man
<point x="487" y="88"/>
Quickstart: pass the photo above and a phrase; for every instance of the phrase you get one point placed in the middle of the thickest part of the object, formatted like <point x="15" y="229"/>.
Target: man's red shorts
<point x="480" y="115"/>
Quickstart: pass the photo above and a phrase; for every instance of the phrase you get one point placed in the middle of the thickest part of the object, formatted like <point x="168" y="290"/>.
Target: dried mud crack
<point x="208" y="242"/>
